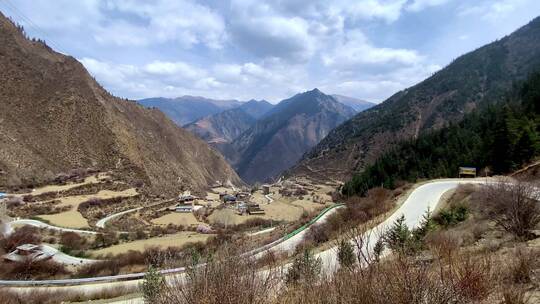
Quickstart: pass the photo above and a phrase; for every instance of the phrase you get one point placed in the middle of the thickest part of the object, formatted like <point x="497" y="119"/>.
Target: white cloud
<point x="183" y="22"/>
<point x="260" y="30"/>
<point x="491" y="10"/>
<point x="355" y="51"/>
<point x="419" y="5"/>
<point x="388" y="10"/>
<point x="174" y="68"/>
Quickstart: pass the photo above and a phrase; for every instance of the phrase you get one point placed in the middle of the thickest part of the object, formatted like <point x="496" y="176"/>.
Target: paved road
<point x="426" y="196"/>
<point x="63" y="258"/>
<point x="101" y="223"/>
<point x="40" y="224"/>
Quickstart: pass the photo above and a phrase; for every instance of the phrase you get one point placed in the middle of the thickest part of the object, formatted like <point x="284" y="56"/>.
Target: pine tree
<point x="346" y="255"/>
<point x="398" y="237"/>
<point x="305" y="269"/>
<point x="151" y="285"/>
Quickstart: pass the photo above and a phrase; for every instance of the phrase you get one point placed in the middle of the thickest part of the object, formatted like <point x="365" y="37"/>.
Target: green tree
<point x="346" y="255"/>
<point x="151" y="285"/>
<point x="398" y="236"/>
<point x="305" y="269"/>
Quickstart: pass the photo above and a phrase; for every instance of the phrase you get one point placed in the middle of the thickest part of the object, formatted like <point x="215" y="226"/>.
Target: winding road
<point x="415" y="205"/>
<point x="40" y="224"/>
<point x="101" y="223"/>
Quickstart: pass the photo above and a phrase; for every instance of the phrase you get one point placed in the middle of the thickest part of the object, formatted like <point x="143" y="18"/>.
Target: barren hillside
<point x="56" y="117"/>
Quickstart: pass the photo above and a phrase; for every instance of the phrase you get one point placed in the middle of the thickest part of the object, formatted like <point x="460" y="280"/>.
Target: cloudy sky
<point x="247" y="49"/>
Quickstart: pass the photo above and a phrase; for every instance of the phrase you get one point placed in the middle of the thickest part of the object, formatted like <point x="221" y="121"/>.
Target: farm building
<point x="186" y="198"/>
<point x="254" y="209"/>
<point x="229" y="198"/>
<point x="186" y="208"/>
<point x="243" y="196"/>
<point x="27" y="251"/>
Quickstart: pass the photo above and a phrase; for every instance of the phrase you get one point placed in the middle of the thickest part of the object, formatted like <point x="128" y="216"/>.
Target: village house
<point x="254" y="209"/>
<point x="228" y="198"/>
<point x="186" y="197"/>
<point x="27" y="251"/>
<point x="243" y="196"/>
<point x="186" y="208"/>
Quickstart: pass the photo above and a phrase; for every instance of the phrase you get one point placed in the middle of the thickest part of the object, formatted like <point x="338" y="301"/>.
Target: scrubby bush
<point x="72" y="241"/>
<point x="452" y="216"/>
<point x="513" y="206"/>
<point x="23" y="235"/>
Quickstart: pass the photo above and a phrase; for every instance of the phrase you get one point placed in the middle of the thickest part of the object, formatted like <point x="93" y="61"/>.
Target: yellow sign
<point x="467" y="171"/>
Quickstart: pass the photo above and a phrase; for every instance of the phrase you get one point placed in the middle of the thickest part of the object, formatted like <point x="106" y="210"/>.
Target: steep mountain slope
<point x="187" y="109"/>
<point x="55" y="117"/>
<point x="497" y="140"/>
<point x="358" y="105"/>
<point x="475" y="79"/>
<point x="224" y="127"/>
<point x="284" y="134"/>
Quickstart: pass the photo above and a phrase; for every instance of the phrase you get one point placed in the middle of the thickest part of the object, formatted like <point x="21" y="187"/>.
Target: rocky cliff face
<point x="475" y="79"/>
<point x="56" y="117"/>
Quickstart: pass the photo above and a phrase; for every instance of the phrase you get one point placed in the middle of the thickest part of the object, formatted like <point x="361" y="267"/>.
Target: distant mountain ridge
<point x="280" y="138"/>
<point x="187" y="109"/>
<point x="473" y="80"/>
<point x="225" y="126"/>
<point x="358" y="105"/>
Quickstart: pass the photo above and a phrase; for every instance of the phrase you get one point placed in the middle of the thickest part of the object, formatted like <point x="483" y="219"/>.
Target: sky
<point x="254" y="49"/>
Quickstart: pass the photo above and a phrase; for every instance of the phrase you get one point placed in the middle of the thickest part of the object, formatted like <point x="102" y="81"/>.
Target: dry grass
<point x="225" y="279"/>
<point x="177" y="240"/>
<point x="176" y="218"/>
<point x="54" y="296"/>
<point x="73" y="218"/>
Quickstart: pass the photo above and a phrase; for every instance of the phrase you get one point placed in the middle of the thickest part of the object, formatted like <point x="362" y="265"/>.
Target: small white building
<point x="187" y="208"/>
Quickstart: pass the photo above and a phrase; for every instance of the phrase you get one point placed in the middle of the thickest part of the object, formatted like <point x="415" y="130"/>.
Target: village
<point x="109" y="218"/>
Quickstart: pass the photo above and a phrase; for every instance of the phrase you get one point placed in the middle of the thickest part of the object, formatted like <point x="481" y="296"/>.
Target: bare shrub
<point x="515" y="295"/>
<point x="473" y="277"/>
<point x="29" y="269"/>
<point x="23" y="235"/>
<point x="513" y="206"/>
<point x="225" y="278"/>
<point x="444" y="244"/>
<point x="399" y="280"/>
<point x="61" y="296"/>
<point x="317" y="233"/>
<point x="522" y="266"/>
<point x="72" y="241"/>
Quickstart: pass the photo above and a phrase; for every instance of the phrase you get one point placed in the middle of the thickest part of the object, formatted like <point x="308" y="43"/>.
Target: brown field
<point x="56" y="188"/>
<point x="277" y="210"/>
<point x="176" y="218"/>
<point x="178" y="240"/>
<point x="309" y="206"/>
<point x="72" y="218"/>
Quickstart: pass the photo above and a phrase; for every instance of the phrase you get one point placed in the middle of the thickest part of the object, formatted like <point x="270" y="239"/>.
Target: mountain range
<point x="358" y="105"/>
<point x="55" y="117"/>
<point x="224" y="127"/>
<point x="281" y="136"/>
<point x="471" y="81"/>
<point x="187" y="109"/>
